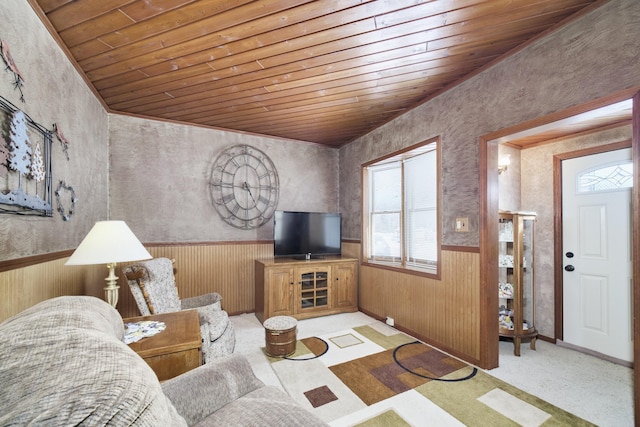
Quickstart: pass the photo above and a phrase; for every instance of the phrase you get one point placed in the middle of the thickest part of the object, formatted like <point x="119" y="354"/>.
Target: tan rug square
<point x="347" y="340"/>
<point x="386" y="419"/>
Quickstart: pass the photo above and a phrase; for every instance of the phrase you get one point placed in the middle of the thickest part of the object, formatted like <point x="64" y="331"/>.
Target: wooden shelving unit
<point x="516" y="279"/>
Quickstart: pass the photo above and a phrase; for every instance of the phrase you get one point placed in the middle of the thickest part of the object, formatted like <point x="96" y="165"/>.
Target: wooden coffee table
<point x="175" y="350"/>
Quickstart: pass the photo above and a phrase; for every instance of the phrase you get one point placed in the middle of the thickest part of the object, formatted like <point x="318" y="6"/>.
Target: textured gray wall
<point x="591" y="58"/>
<point x="54" y="93"/>
<point x="509" y="180"/>
<point x="160" y="173"/>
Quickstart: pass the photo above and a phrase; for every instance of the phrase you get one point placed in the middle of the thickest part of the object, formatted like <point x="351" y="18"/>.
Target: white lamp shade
<point x="108" y="242"/>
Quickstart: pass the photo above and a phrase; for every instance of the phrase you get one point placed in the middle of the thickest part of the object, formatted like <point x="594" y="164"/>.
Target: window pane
<point x="421" y="213"/>
<point x="422" y="236"/>
<point x="612" y="177"/>
<point x="385" y="240"/>
<point x="420" y="181"/>
<point x="386" y="189"/>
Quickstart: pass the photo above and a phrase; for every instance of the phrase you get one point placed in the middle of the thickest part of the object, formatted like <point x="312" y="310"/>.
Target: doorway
<point x="526" y="185"/>
<point x="489" y="145"/>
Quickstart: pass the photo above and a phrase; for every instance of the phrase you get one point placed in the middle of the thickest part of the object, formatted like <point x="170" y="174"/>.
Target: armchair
<point x="153" y="286"/>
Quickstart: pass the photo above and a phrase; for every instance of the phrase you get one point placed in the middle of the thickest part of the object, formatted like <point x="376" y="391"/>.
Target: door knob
<point x="569" y="254"/>
<point x="569" y="268"/>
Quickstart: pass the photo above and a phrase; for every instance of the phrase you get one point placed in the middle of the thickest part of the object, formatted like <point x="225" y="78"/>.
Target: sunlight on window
<point x="401" y="224"/>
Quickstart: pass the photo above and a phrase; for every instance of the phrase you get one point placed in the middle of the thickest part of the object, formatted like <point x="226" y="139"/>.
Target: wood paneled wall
<point x="226" y="268"/>
<point x="442" y="312"/>
<point x="24" y="287"/>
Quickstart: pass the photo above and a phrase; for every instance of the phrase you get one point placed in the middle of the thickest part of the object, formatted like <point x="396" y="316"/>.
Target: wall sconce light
<point x="503" y="163"/>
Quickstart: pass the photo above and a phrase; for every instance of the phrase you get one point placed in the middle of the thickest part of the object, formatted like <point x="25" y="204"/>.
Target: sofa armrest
<point x="213" y="298"/>
<point x="200" y="392"/>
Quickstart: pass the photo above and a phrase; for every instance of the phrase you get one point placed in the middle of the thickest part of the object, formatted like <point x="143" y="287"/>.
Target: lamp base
<point x="111" y="290"/>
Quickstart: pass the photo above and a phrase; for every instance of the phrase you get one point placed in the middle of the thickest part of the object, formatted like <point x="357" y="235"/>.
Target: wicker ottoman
<point x="280" y="336"/>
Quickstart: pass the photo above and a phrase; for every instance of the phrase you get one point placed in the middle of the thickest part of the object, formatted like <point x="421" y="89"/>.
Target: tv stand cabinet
<point x="305" y="288"/>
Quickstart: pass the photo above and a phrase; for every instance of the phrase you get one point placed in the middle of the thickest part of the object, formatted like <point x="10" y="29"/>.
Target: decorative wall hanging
<point x="11" y="65"/>
<point x="63" y="187"/>
<point x="25" y="168"/>
<point x="244" y="186"/>
<point x="63" y="141"/>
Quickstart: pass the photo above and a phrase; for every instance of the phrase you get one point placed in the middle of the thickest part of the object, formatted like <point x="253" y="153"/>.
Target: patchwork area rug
<point x="376" y="376"/>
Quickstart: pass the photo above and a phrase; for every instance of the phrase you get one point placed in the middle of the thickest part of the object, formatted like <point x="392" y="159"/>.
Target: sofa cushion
<point x="265" y="406"/>
<point x="79" y="311"/>
<point x="63" y="363"/>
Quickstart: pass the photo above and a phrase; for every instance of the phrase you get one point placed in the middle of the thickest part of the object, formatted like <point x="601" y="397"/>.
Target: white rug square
<point x="413" y="407"/>
<point x="384" y="329"/>
<point x="511" y="407"/>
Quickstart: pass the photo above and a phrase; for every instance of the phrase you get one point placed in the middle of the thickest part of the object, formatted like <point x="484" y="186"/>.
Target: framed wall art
<point x="25" y="164"/>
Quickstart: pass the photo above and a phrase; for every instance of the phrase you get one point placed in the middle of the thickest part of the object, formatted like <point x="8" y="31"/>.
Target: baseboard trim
<point x="595" y="354"/>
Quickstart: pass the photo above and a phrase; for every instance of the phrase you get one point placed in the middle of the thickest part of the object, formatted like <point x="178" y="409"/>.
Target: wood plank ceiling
<point x="319" y="71"/>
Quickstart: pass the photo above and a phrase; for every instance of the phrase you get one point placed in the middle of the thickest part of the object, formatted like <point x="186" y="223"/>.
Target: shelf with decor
<point x="516" y="280"/>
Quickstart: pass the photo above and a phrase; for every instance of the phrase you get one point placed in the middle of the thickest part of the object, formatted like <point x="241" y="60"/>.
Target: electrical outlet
<point x="390" y="321"/>
<point x="462" y="224"/>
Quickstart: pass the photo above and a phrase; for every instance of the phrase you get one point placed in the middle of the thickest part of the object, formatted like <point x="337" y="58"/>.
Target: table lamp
<point x="109" y="242"/>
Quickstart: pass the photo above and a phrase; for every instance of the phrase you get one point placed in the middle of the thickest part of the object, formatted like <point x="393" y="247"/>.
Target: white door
<point x="596" y="209"/>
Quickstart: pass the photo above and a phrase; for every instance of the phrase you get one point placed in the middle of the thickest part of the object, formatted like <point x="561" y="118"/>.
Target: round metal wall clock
<point x="244" y="186"/>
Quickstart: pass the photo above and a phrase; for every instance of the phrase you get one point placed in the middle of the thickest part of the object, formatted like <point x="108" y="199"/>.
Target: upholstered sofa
<point x="63" y="362"/>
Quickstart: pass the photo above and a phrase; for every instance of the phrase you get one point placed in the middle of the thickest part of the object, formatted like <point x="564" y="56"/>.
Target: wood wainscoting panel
<point x="22" y="288"/>
<point x="443" y="312"/>
<point x="226" y="268"/>
<point x="351" y="249"/>
<point x="223" y="267"/>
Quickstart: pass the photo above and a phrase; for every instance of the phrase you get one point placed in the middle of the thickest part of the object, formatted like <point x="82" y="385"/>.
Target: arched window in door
<point x="606" y="178"/>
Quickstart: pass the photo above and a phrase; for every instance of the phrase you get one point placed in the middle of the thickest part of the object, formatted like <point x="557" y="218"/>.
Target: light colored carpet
<point x="595" y="389"/>
<point x="549" y="381"/>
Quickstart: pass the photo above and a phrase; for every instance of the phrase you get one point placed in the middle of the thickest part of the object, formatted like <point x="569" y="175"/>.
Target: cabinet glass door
<point x="314" y="290"/>
<point x="527" y="275"/>
<point x="505" y="275"/>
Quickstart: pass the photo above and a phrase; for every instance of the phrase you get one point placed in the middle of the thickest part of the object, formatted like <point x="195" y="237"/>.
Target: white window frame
<point x="430" y="267"/>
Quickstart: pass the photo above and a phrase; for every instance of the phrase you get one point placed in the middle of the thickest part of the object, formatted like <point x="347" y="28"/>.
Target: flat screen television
<point x="306" y="234"/>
